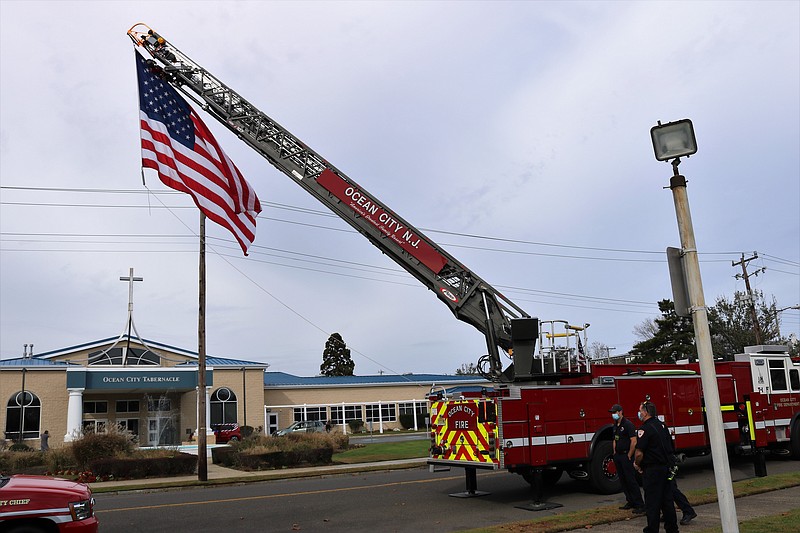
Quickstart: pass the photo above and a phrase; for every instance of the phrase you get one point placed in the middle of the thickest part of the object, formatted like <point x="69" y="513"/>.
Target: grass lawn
<point x="384" y="451"/>
<point x="584" y="519"/>
<point x="788" y="522"/>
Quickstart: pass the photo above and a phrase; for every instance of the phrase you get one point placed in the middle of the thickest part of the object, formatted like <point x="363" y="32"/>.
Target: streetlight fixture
<point x="671" y="142"/>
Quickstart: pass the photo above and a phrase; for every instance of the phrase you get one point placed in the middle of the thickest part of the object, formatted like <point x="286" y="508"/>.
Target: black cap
<point x="614" y="408"/>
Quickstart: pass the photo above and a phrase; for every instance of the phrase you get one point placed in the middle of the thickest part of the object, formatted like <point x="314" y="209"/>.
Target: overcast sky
<point x="477" y="122"/>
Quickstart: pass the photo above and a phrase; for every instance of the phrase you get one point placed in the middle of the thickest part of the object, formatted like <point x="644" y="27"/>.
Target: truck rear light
<point x="82" y="510"/>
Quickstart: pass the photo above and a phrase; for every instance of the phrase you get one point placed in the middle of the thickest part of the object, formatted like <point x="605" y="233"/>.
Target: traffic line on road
<point x="286" y="495"/>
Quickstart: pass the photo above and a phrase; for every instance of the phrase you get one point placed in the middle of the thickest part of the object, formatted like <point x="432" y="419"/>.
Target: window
<point x="159" y="404"/>
<point x="23" y="410"/>
<point x="351" y="412"/>
<point x="412" y="410"/>
<point x="385" y="412"/>
<point x="127" y="406"/>
<point x="777" y="375"/>
<point x="95" y="406"/>
<point x="794" y="378"/>
<point x="311" y="413"/>
<point x="116" y="356"/>
<point x="408" y="408"/>
<point x="224" y="406"/>
<point x="94" y="426"/>
<point x="129" y="424"/>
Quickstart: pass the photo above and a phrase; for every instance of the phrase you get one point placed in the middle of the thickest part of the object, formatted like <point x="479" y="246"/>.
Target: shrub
<point x="94" y="446"/>
<point x="60" y="459"/>
<point x="259" y="452"/>
<point x="21" y="461"/>
<point x="20" y="447"/>
<point x="169" y="464"/>
<point x="247" y="431"/>
<point x="356" y="425"/>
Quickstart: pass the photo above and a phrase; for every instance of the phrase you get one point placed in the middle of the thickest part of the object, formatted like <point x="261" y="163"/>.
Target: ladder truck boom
<point x="469" y="298"/>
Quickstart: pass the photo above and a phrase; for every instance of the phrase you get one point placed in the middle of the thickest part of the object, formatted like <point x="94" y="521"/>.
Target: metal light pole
<point x="671" y="142"/>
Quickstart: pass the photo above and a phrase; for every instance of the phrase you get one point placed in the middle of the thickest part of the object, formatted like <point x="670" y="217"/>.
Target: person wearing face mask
<point x="624" y="444"/>
<point x="652" y="459"/>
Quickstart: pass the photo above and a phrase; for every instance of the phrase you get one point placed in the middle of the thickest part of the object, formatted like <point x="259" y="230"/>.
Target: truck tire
<point x="602" y="470"/>
<point x="794" y="445"/>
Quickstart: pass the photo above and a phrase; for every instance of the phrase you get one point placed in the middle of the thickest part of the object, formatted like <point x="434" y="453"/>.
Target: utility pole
<point x="608" y="353"/>
<point x="746" y="277"/>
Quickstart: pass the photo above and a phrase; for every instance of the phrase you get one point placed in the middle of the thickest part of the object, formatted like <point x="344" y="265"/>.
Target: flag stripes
<point x="193" y="162"/>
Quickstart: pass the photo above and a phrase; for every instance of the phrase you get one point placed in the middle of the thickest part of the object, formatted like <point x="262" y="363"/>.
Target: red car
<point x="45" y="504"/>
<point x="227" y="432"/>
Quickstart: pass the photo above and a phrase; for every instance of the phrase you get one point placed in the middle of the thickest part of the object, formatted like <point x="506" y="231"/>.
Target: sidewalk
<point x="748" y="507"/>
<point x="220" y="474"/>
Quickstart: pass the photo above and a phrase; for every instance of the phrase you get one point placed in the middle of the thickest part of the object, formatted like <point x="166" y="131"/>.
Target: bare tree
<point x="646" y="330"/>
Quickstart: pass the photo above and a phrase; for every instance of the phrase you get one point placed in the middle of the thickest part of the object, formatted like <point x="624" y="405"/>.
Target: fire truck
<point x="547" y="411"/>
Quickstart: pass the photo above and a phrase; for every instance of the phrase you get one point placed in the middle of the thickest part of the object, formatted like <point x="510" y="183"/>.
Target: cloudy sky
<point x="515" y="134"/>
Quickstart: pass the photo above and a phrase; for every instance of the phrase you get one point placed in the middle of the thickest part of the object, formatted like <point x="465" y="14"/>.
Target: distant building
<point x="150" y="389"/>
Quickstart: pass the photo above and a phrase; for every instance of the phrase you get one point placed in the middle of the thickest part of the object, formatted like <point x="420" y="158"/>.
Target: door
<point x="159" y="431"/>
<point x="272" y="423"/>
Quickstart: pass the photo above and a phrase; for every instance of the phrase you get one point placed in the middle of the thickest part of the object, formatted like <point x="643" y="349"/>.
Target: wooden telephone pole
<point x="746" y="277"/>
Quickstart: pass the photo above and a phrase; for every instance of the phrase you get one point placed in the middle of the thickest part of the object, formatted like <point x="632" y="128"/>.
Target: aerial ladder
<point x="505" y="325"/>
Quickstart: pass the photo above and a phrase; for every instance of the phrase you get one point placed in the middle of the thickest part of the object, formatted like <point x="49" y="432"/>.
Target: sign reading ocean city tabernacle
<point x="135" y="379"/>
<point x="386" y="222"/>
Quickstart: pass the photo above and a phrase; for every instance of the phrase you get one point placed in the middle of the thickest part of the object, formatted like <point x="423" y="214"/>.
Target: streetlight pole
<point x="683" y="143"/>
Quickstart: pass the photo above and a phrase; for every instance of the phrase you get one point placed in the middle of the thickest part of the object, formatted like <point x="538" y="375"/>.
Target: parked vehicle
<point x="227" y="432"/>
<point x="41" y="504"/>
<point x="304" y="426"/>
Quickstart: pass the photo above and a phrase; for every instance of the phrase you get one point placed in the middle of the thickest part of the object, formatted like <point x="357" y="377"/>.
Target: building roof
<point x="284" y="380"/>
<point x="29" y="362"/>
<point x="44" y="358"/>
<point x="221" y="361"/>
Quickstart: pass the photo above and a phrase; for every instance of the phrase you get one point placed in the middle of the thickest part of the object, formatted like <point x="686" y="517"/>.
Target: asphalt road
<point x="402" y="501"/>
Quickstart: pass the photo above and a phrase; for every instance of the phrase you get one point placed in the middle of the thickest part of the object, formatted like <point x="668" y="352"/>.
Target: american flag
<point x="177" y="145"/>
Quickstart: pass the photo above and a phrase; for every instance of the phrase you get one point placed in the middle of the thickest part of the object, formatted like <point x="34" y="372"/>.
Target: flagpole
<point x="202" y="460"/>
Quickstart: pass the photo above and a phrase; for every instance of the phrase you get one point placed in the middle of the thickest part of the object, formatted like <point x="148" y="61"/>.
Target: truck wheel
<point x="795" y="440"/>
<point x="602" y="470"/>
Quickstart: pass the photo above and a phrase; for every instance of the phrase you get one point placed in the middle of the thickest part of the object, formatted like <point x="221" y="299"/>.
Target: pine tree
<point x="336" y="359"/>
<point x="731" y="323"/>
<point x="672" y="341"/>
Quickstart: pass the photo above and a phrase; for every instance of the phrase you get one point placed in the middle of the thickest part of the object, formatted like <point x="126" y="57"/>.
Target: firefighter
<point x="652" y="459"/>
<point x="624" y="445"/>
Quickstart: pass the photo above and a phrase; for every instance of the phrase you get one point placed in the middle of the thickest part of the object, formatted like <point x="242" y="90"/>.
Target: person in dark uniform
<point x="624" y="445"/>
<point x="680" y="498"/>
<point x="652" y="459"/>
<point x="683" y="504"/>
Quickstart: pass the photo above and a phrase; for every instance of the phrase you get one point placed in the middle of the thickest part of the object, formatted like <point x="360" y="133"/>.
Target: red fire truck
<point x="548" y="412"/>
<point x="538" y="428"/>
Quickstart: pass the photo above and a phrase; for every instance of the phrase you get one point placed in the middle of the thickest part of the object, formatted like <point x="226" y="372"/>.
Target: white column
<point x="380" y="417"/>
<point x="74" y="414"/>
<point x="414" y="407"/>
<point x="208" y="411"/>
<point x="344" y="420"/>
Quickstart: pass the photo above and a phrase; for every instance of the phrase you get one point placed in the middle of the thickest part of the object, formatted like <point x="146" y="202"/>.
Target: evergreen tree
<point x="731" y="324"/>
<point x="336" y="359"/>
<point x="673" y="339"/>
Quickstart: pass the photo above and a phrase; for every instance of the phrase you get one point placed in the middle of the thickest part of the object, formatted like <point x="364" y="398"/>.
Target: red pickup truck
<point x="41" y="504"/>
